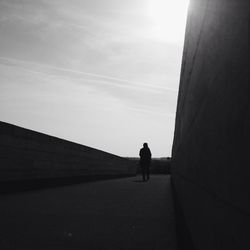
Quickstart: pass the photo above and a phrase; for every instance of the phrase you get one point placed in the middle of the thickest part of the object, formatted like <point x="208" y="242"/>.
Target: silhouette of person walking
<point x="145" y="160"/>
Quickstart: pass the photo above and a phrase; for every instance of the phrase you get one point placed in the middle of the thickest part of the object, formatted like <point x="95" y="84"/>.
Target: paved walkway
<point x="113" y="214"/>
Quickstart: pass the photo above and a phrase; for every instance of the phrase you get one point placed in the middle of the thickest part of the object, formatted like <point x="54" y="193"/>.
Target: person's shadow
<point x="138" y="181"/>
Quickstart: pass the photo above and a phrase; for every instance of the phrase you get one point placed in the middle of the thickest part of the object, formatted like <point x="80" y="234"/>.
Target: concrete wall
<point x="29" y="155"/>
<point x="211" y="163"/>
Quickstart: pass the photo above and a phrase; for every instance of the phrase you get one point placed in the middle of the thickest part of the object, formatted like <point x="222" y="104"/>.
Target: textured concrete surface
<point x="211" y="153"/>
<point x="29" y="155"/>
<point x="112" y="214"/>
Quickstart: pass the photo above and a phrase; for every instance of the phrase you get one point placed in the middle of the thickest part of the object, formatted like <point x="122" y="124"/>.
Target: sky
<point x="102" y="73"/>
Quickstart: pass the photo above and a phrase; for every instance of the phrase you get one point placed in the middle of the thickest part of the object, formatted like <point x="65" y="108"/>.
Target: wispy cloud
<point x="104" y="79"/>
<point x="135" y="95"/>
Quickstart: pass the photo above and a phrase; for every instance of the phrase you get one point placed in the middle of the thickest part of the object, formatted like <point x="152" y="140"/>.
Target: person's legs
<point x="143" y="173"/>
<point x="147" y="171"/>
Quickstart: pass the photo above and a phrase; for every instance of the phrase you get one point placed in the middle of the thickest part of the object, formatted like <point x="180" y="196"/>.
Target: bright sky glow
<point x="168" y="18"/>
<point x="103" y="73"/>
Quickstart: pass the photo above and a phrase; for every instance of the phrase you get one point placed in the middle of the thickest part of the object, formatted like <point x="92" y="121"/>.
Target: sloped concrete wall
<point x="27" y="155"/>
<point x="211" y="162"/>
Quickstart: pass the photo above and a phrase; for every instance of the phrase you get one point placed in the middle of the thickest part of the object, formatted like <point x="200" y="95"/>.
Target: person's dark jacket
<point x="145" y="156"/>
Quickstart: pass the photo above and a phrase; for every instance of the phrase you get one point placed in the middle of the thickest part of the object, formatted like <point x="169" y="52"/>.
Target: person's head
<point x="145" y="145"/>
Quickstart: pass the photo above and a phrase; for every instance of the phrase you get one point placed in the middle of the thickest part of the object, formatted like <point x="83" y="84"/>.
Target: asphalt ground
<point x="112" y="214"/>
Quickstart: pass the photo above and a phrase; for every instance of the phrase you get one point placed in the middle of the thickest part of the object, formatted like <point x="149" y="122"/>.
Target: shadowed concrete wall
<point x="211" y="163"/>
<point x="25" y="155"/>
